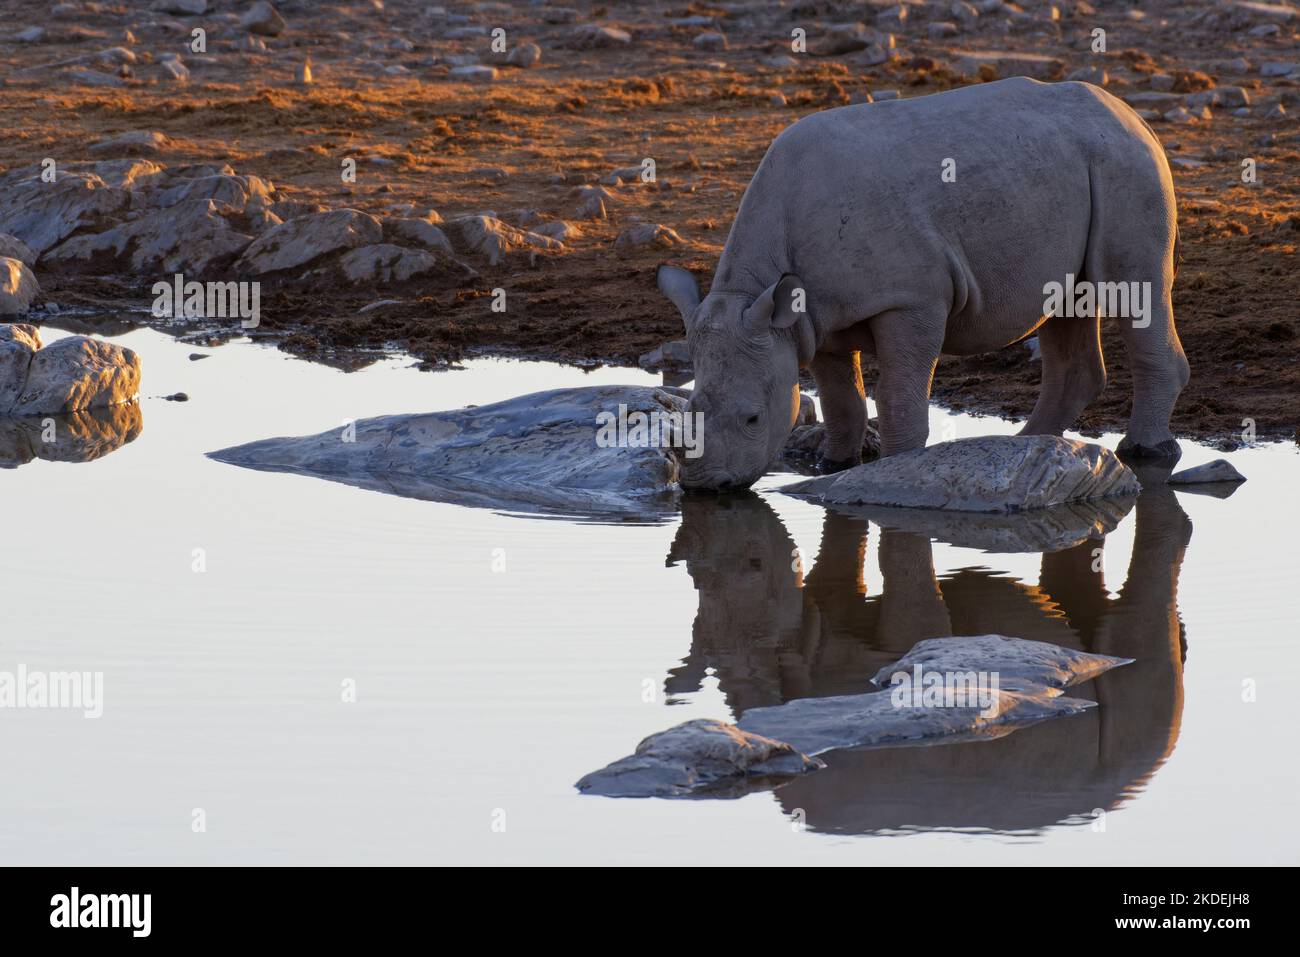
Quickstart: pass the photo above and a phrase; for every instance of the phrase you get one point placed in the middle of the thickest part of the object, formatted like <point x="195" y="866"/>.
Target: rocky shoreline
<point x="393" y="181"/>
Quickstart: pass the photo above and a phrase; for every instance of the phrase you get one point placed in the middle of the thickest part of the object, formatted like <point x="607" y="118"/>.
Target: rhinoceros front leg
<point x="907" y="349"/>
<point x="844" y="407"/>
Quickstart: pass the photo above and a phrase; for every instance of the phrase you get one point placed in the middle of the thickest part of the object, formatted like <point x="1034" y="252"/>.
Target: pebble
<point x="1275" y="68"/>
<point x="263" y="19"/>
<point x="474" y="74"/>
<point x="525" y="56"/>
<point x="1220" y="470"/>
<point x="1095" y="75"/>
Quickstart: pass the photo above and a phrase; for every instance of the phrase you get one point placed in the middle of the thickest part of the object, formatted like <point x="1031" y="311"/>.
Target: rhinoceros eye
<point x="752" y="420"/>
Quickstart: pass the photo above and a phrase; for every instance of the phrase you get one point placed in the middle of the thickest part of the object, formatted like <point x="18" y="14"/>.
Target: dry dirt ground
<point x="518" y="146"/>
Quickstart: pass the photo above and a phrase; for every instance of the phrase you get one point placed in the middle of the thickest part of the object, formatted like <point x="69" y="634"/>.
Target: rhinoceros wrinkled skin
<point x="851" y="239"/>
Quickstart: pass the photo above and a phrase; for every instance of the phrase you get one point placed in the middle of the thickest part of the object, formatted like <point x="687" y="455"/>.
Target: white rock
<point x="996" y="473"/>
<point x="14" y="248"/>
<point x="192" y="237"/>
<point x="699" y="757"/>
<point x="236" y="191"/>
<point x="136" y="143"/>
<point x="174" y="70"/>
<point x="559" y="230"/>
<point x="1006" y="63"/>
<point x="18" y="343"/>
<point x="385" y="263"/>
<point x="592" y="36"/>
<point x="44" y="214"/>
<point x="646" y="236"/>
<point x="95" y="78"/>
<point x="297" y="242"/>
<point x="18" y="287"/>
<point x="182" y="7"/>
<point x="475" y="73"/>
<point x="712" y="42"/>
<point x="418" y="232"/>
<point x="78" y="373"/>
<point x="1095" y="75"/>
<point x="536" y="452"/>
<point x="488" y="236"/>
<point x="525" y="56"/>
<point x="769" y="745"/>
<point x="1220" y="470"/>
<point x="263" y="19"/>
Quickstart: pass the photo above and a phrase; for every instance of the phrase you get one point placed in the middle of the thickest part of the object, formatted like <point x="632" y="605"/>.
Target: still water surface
<point x="483" y="692"/>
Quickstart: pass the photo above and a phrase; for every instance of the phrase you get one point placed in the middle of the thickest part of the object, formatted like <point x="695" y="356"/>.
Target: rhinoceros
<point x="936" y="225"/>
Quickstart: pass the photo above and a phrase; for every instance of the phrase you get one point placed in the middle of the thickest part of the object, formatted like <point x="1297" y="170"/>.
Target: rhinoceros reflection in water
<point x="75" y="437"/>
<point x="771" y="635"/>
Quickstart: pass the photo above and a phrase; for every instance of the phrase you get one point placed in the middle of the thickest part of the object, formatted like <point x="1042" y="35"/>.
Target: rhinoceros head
<point x="746" y="355"/>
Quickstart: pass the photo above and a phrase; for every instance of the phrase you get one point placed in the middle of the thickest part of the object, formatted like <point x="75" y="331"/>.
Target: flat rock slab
<point x="1220" y="470"/>
<point x="769" y="746"/>
<point x="701" y="758"/>
<point x="991" y="474"/>
<point x="533" y="453"/>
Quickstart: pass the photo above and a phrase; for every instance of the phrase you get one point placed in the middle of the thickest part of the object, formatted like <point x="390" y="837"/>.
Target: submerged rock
<point x="995" y="473"/>
<point x="538" y="453"/>
<point x="1220" y="470"/>
<point x="701" y="758"/>
<point x="999" y="684"/>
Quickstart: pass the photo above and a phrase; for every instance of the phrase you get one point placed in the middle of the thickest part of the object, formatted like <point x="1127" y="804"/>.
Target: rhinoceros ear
<point x="780" y="306"/>
<point x="681" y="289"/>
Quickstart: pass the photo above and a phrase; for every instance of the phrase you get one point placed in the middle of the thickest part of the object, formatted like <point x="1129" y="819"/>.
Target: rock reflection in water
<point x="75" y="437"/>
<point x="771" y="634"/>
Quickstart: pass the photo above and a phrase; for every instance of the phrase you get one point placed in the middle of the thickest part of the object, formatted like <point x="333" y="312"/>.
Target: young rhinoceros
<point x="935" y="225"/>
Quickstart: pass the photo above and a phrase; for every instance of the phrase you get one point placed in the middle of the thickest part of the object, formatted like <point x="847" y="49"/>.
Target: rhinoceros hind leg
<point x="1074" y="373"/>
